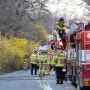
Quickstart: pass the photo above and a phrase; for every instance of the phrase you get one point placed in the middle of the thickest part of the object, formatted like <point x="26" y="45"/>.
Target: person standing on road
<point x="34" y="63"/>
<point x="59" y="60"/>
<point x="25" y="62"/>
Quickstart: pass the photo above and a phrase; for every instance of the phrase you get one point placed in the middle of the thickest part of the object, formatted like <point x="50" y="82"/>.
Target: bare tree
<point x="11" y="12"/>
<point x="37" y="9"/>
<point x="15" y="13"/>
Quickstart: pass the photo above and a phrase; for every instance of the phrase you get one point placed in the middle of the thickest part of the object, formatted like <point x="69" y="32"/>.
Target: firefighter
<point x="61" y="28"/>
<point x="34" y="63"/>
<point x="48" y="58"/>
<point x="25" y="62"/>
<point x="42" y="62"/>
<point x="59" y="60"/>
<point x="52" y="61"/>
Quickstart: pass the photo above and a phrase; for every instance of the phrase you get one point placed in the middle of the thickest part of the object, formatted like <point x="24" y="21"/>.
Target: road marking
<point x="45" y="85"/>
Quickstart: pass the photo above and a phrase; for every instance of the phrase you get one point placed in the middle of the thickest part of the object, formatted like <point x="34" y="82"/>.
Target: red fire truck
<point x="78" y="54"/>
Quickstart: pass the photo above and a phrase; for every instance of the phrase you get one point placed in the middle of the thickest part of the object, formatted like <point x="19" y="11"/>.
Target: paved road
<point x="22" y="80"/>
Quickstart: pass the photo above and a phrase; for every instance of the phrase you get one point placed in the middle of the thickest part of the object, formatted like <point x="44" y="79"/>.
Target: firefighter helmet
<point x="61" y="19"/>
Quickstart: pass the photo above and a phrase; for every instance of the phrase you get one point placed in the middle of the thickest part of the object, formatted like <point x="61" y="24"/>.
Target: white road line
<point x="45" y="85"/>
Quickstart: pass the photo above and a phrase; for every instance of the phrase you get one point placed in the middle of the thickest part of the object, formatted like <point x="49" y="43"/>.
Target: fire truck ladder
<point x="85" y="54"/>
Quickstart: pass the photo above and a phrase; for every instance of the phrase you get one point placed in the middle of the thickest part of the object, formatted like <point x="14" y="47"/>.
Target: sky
<point x="78" y="1"/>
<point x="54" y="5"/>
<point x="68" y="9"/>
<point x="65" y="8"/>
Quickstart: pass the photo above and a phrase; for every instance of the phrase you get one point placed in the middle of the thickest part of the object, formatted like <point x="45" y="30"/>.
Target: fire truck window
<point x="87" y="26"/>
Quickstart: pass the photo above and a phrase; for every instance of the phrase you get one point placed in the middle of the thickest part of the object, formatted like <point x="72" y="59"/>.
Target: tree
<point x="15" y="14"/>
<point x="11" y="15"/>
<point x="87" y="1"/>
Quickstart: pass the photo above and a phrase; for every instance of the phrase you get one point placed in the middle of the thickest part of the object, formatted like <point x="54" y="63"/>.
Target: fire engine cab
<point x="78" y="54"/>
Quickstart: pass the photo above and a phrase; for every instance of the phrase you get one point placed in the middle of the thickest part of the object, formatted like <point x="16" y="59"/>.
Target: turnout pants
<point x="59" y="74"/>
<point x="34" y="68"/>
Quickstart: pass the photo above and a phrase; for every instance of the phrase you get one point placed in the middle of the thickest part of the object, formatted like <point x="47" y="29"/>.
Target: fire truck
<point x="78" y="54"/>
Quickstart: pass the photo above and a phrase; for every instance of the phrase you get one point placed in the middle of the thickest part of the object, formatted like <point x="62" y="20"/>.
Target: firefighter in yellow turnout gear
<point x="61" y="28"/>
<point x="44" y="63"/>
<point x="61" y="25"/>
<point x="48" y="65"/>
<point x="59" y="60"/>
<point x="25" y="62"/>
<point x="34" y="63"/>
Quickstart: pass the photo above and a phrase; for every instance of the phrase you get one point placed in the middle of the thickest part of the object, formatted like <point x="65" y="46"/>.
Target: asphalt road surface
<point x="22" y="80"/>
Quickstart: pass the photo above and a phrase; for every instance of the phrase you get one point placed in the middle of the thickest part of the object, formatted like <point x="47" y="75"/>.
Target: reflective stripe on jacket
<point x="59" y="60"/>
<point x="48" y="60"/>
<point x="33" y="59"/>
<point x="43" y="59"/>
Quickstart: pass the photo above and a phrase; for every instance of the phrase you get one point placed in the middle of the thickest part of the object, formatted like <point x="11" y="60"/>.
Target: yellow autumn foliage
<point x="19" y="46"/>
<point x="13" y="50"/>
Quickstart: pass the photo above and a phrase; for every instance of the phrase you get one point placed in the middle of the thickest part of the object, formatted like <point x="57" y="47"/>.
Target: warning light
<point x="60" y="43"/>
<point x="88" y="35"/>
